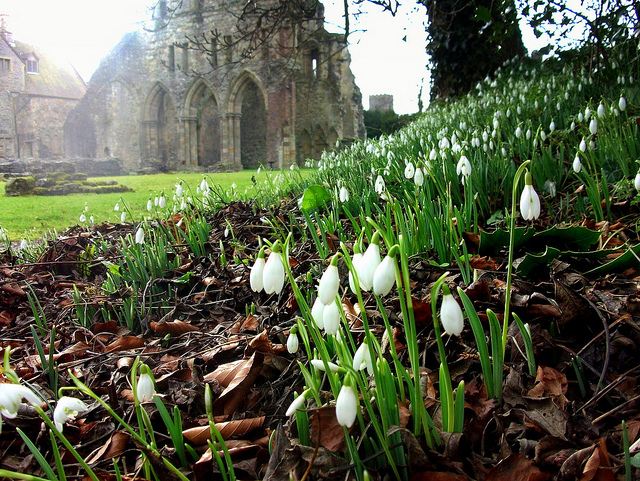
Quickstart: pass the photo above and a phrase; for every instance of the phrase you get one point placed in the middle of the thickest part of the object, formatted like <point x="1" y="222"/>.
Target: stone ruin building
<point x="158" y="102"/>
<point x="37" y="92"/>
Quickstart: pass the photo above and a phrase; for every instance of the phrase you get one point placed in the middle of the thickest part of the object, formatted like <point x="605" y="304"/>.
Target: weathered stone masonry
<point x="157" y="101"/>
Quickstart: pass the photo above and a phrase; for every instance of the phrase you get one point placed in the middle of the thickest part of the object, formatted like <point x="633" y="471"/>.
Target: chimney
<point x="4" y="31"/>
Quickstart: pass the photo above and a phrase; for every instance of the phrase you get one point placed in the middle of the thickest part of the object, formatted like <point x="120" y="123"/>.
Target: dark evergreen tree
<point x="468" y="40"/>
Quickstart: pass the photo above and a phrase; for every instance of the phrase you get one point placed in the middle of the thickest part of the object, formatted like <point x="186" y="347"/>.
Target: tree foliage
<point x="468" y="40"/>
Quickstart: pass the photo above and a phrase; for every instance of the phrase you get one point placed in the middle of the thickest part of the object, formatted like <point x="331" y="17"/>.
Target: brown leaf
<point x="235" y="393"/>
<point x="125" y="343"/>
<point x="114" y="446"/>
<point x="516" y="467"/>
<point x="421" y="311"/>
<point x="174" y="328"/>
<point x="109" y="326"/>
<point x="597" y="465"/>
<point x="261" y="342"/>
<point x="225" y="373"/>
<point x="6" y="318"/>
<point x="13" y="289"/>
<point x="483" y="263"/>
<point x="550" y="382"/>
<point x="199" y="435"/>
<point x="325" y="429"/>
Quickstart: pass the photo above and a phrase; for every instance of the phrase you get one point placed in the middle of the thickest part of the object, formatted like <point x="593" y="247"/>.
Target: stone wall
<point x="155" y="100"/>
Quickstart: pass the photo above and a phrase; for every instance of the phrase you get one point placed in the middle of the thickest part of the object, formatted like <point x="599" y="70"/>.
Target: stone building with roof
<point x="37" y="92"/>
<point x="159" y="100"/>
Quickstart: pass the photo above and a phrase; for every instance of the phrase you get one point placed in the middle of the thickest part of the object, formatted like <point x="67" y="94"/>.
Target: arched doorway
<point x="253" y="127"/>
<point x="205" y="117"/>
<point x="158" y="126"/>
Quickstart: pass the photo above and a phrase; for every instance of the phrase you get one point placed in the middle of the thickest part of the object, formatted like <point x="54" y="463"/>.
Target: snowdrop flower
<point x="577" y="165"/>
<point x="384" y="276"/>
<point x="355" y="260"/>
<point x="145" y="389"/>
<point x="587" y="113"/>
<point x="379" y="185"/>
<point x="86" y="207"/>
<point x="155" y="201"/>
<point x="344" y="194"/>
<point x="369" y="264"/>
<point x="528" y="134"/>
<point x="573" y="126"/>
<point x="636" y="182"/>
<point x="162" y="202"/>
<point x="319" y="365"/>
<point x="451" y="316"/>
<point x="529" y="200"/>
<point x="140" y="235"/>
<point x="329" y="282"/>
<point x="518" y="132"/>
<point x="66" y="409"/>
<point x="362" y="358"/>
<point x="24" y="244"/>
<point x="149" y="205"/>
<point x="593" y="126"/>
<point x="580" y="117"/>
<point x="259" y="170"/>
<point x="464" y="167"/>
<point x="317" y="311"/>
<point x="409" y="170"/>
<point x="583" y="146"/>
<point x="292" y="341"/>
<point x="622" y="104"/>
<point x="543" y="135"/>
<point x="11" y="395"/>
<point x="418" y="177"/>
<point x="600" y="110"/>
<point x="82" y="218"/>
<point x="331" y="318"/>
<point x="123" y="216"/>
<point x="552" y="126"/>
<point x="273" y="272"/>
<point x="204" y="186"/>
<point x="346" y="405"/>
<point x="116" y="207"/>
<point x="179" y="189"/>
<point x="297" y="403"/>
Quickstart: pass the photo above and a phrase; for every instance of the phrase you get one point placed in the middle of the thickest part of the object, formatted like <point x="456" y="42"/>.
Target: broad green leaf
<point x="631" y="258"/>
<point x="495" y="241"/>
<point x="573" y="238"/>
<point x="315" y="196"/>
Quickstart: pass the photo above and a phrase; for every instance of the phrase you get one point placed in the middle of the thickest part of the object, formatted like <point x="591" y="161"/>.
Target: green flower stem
<point x="512" y="237"/>
<point x="446" y="389"/>
<point x="86" y="390"/>
<point x="4" y="473"/>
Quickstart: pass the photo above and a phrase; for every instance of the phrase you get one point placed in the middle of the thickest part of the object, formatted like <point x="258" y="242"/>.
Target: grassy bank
<point x="32" y="217"/>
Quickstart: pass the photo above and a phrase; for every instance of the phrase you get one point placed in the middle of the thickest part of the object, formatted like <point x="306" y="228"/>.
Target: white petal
<point x="331" y="318"/>
<point x="451" y="316"/>
<point x="295" y="405"/>
<point x="384" y="277"/>
<point x="255" y="278"/>
<point x="329" y="285"/>
<point x="346" y="406"/>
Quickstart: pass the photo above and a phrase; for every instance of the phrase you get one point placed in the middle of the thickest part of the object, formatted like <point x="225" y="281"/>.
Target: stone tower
<point x="158" y="99"/>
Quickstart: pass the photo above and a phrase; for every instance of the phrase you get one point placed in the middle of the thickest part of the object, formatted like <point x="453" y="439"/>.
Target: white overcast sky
<point x="388" y="58"/>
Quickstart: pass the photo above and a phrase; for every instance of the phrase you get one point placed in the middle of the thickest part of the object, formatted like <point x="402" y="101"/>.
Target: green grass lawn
<point x="34" y="216"/>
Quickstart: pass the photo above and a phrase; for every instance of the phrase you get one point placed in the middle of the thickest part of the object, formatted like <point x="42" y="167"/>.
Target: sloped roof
<point x="55" y="77"/>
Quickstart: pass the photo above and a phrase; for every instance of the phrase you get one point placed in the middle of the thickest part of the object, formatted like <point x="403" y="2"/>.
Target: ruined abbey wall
<point x="157" y="101"/>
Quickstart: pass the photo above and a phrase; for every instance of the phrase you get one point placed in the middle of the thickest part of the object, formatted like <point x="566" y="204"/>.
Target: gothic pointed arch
<point x="332" y="138"/>
<point x="202" y="125"/>
<point x="248" y="108"/>
<point x="159" y="127"/>
<point x="305" y="144"/>
<point x="319" y="142"/>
